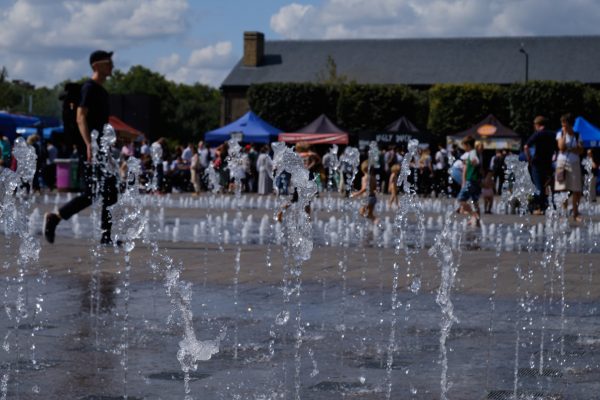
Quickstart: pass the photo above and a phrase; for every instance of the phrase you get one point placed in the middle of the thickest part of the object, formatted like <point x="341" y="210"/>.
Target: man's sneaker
<point x="50" y="222"/>
<point x="107" y="241"/>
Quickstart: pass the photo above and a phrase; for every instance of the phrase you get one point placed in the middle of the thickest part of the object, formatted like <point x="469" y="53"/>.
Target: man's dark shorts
<point x="471" y="190"/>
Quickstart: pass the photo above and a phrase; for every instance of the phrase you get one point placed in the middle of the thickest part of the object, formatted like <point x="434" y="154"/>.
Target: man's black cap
<point x="100" y="55"/>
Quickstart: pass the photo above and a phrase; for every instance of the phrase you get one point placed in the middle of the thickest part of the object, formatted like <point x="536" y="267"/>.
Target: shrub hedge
<point x="442" y="109"/>
<point x="454" y="108"/>
<point x="291" y="106"/>
<point x="373" y="107"/>
<point x="551" y="99"/>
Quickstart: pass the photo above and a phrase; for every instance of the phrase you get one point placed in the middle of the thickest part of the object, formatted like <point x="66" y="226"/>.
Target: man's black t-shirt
<point x="95" y="98"/>
<point x="545" y="147"/>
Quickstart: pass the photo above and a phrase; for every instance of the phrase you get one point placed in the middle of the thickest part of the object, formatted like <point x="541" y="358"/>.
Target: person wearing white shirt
<point x="204" y="154"/>
<point x="264" y="165"/>
<point x="570" y="148"/>
<point x="440" y="170"/>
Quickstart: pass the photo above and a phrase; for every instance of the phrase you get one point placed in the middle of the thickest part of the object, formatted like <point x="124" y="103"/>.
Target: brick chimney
<point x="254" y="48"/>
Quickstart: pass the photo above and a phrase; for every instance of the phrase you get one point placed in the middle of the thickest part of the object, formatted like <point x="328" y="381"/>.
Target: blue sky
<point x="48" y="41"/>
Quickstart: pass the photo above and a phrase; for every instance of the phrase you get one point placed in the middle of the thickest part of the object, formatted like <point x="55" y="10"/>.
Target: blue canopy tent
<point x="48" y="133"/>
<point x="26" y="131"/>
<point x="53" y="130"/>
<point x="590" y="134"/>
<point x="250" y="125"/>
<point x="10" y="122"/>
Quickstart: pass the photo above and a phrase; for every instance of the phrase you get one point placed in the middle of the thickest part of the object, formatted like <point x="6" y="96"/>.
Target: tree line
<point x="186" y="112"/>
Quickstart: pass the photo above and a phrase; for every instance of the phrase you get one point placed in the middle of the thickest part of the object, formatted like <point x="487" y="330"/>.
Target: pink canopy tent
<point x="320" y="131"/>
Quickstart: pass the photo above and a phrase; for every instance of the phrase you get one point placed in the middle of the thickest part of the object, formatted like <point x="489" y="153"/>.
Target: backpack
<point x="71" y="98"/>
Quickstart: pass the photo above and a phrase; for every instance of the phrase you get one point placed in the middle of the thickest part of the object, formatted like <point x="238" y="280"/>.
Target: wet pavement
<point x="90" y="343"/>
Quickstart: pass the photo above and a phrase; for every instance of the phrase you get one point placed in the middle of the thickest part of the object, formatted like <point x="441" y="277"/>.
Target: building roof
<point x="427" y="61"/>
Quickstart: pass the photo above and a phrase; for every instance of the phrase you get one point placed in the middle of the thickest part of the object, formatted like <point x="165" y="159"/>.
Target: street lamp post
<point x="522" y="50"/>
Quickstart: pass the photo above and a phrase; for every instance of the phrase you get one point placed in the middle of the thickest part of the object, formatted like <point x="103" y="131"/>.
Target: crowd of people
<point x="464" y="171"/>
<point x="557" y="162"/>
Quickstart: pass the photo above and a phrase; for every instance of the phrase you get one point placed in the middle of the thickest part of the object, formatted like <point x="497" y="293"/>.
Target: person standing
<point x="204" y="154"/>
<point x="144" y="148"/>
<point x="570" y="148"/>
<point x="393" y="185"/>
<point x="203" y="159"/>
<point x="440" y="171"/>
<point x="264" y="165"/>
<point x="252" y="172"/>
<point x="92" y="114"/>
<point x="498" y="168"/>
<point x="159" y="148"/>
<point x="34" y="141"/>
<point x="368" y="187"/>
<point x="593" y="179"/>
<point x="487" y="192"/>
<point x="425" y="170"/>
<point x="188" y="153"/>
<point x="471" y="189"/>
<point x="389" y="159"/>
<point x="196" y="172"/>
<point x="49" y="173"/>
<point x="540" y="162"/>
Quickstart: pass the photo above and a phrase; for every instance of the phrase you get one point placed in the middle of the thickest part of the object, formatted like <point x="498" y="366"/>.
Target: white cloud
<point x="169" y="62"/>
<point x="51" y="71"/>
<point x="217" y="55"/>
<point x="291" y="19"/>
<point x="208" y="65"/>
<point x="75" y="24"/>
<point x="436" y="18"/>
<point x="43" y="37"/>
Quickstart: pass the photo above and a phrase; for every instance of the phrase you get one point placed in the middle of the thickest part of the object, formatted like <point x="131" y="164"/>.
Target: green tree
<point x="185" y="111"/>
<point x="329" y="75"/>
<point x="9" y="97"/>
<point x="591" y="100"/>
<point x="16" y="97"/>
<point x="141" y="80"/>
<point x="44" y="101"/>
<point x="197" y="110"/>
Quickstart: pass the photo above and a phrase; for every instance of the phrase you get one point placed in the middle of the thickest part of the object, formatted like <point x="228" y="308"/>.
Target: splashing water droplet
<point x="282" y="318"/>
<point x="415" y="285"/>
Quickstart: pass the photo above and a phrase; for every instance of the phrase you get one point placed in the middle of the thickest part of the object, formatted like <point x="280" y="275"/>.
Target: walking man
<point x="540" y="162"/>
<point x="92" y="114"/>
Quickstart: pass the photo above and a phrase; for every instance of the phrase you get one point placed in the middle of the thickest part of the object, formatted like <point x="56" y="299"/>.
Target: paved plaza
<point x="512" y="314"/>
